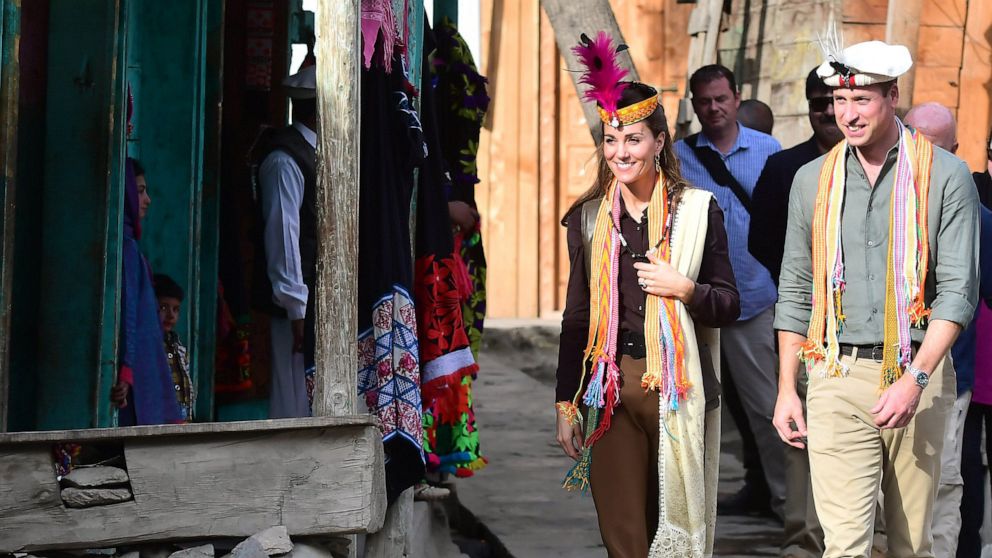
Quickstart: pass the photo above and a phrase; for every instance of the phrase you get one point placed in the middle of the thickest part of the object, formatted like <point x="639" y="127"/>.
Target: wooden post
<point x="975" y="104"/>
<point x="338" y="82"/>
<point x="570" y="19"/>
<point x="704" y="28"/>
<point x="10" y="18"/>
<point x="548" y="168"/>
<point x="902" y="27"/>
<point x="393" y="540"/>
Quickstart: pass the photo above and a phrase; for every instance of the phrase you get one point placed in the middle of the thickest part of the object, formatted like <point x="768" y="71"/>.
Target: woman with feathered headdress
<point x="650" y="276"/>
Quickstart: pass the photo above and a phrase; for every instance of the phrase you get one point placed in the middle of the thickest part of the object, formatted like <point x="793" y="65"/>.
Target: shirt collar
<point x="624" y="214"/>
<point x="742" y="141"/>
<point x="308" y="134"/>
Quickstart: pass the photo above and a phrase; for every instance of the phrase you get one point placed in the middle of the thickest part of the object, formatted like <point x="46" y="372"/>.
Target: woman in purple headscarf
<point x="144" y="389"/>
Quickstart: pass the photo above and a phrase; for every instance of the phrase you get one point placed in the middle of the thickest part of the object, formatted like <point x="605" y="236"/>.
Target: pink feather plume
<point x="603" y="72"/>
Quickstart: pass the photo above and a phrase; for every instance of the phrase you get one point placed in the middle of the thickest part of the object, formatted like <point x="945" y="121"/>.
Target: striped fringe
<point x="906" y="272"/>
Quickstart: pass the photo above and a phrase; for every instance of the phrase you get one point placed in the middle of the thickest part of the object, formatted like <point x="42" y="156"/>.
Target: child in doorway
<point x="170" y="300"/>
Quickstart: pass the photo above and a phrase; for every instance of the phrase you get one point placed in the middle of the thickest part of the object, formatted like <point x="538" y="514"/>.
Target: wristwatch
<point x="921" y="377"/>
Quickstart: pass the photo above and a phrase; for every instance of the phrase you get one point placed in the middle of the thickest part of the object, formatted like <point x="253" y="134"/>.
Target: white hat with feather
<point x="861" y="64"/>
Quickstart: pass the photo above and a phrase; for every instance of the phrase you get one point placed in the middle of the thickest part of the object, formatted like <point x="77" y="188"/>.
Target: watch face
<point x="922" y="379"/>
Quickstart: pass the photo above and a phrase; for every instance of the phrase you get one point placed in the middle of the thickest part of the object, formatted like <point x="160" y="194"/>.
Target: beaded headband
<point x="630" y="114"/>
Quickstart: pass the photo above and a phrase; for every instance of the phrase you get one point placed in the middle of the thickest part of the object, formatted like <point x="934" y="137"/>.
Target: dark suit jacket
<point x="770" y="204"/>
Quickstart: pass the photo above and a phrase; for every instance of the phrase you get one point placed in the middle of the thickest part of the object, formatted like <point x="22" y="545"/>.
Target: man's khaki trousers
<point x="851" y="459"/>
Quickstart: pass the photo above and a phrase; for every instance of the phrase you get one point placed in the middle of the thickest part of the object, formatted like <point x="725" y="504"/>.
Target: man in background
<point x="936" y="122"/>
<point x="756" y="115"/>
<point x="286" y="267"/>
<point x="725" y="159"/>
<point x="803" y="537"/>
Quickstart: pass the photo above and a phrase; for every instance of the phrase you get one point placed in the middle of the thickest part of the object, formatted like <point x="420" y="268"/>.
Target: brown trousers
<point x="624" y="474"/>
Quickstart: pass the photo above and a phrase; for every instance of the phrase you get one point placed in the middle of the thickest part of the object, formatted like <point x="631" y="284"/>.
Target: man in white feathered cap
<point x="883" y="233"/>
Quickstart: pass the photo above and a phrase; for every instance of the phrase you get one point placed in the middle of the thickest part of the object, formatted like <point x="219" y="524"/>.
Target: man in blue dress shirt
<point x="726" y="159"/>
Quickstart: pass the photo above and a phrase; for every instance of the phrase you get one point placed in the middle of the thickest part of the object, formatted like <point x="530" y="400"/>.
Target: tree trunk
<point x="570" y="19"/>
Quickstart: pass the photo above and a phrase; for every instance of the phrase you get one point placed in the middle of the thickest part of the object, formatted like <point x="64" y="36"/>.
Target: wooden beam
<point x="528" y="147"/>
<point x="208" y="269"/>
<point x="9" y="91"/>
<point x="549" y="230"/>
<point x="976" y="87"/>
<point x="314" y="479"/>
<point x="395" y="537"/>
<point x="166" y="430"/>
<point x="902" y="27"/>
<point x="704" y="30"/>
<point x="570" y="19"/>
<point x="338" y="96"/>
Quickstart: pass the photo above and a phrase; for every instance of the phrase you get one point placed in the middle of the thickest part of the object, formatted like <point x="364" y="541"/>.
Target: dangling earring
<point x="657" y="162"/>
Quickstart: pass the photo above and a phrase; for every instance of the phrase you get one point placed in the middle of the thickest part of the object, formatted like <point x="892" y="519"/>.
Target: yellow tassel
<point x="651" y="381"/>
<point x="569" y="411"/>
<point x="478" y="464"/>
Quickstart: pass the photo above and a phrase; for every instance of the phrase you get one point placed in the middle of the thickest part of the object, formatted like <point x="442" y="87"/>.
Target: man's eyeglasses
<point x="820" y="104"/>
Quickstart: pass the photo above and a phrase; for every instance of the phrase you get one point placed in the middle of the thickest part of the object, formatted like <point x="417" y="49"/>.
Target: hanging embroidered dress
<point x="388" y="352"/>
<point x="442" y="284"/>
<point x="451" y="438"/>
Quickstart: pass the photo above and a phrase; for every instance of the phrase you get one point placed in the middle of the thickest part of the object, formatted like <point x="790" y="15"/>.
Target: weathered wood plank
<point x="945" y="12"/>
<point x="859" y="32"/>
<point x="903" y="28"/>
<point x="976" y="86"/>
<point x="393" y="540"/>
<point x="548" y="171"/>
<point x="259" y="426"/>
<point x="528" y="146"/>
<point x="937" y="84"/>
<point x="940" y="46"/>
<point x="315" y="481"/>
<point x="504" y="159"/>
<point x="570" y="19"/>
<point x="10" y="28"/>
<point x="338" y="96"/>
<point x="865" y="11"/>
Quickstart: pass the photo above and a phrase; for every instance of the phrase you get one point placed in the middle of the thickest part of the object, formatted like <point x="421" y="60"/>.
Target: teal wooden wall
<point x="168" y="72"/>
<point x="164" y="68"/>
<point x="68" y="221"/>
<point x="10" y="28"/>
<point x="25" y="263"/>
<point x="80" y="208"/>
<point x="205" y="334"/>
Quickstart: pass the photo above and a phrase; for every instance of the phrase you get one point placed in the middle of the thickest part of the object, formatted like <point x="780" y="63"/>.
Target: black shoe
<point x="747" y="501"/>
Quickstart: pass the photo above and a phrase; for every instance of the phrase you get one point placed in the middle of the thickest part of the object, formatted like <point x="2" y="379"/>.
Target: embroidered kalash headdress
<point x="861" y="65"/>
<point x="603" y="74"/>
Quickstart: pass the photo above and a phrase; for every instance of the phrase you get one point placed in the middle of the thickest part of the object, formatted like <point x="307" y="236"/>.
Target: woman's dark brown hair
<point x="658" y="124"/>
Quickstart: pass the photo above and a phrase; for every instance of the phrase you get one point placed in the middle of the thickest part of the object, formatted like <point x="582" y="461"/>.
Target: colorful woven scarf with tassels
<point x="666" y="371"/>
<point x="908" y="255"/>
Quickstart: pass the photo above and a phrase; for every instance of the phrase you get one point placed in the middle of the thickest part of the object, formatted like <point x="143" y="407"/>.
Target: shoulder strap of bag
<point x="718" y="171"/>
<point x="589" y="211"/>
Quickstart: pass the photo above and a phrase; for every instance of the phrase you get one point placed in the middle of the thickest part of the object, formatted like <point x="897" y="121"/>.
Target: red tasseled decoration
<point x="603" y="72"/>
<point x="611" y="392"/>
